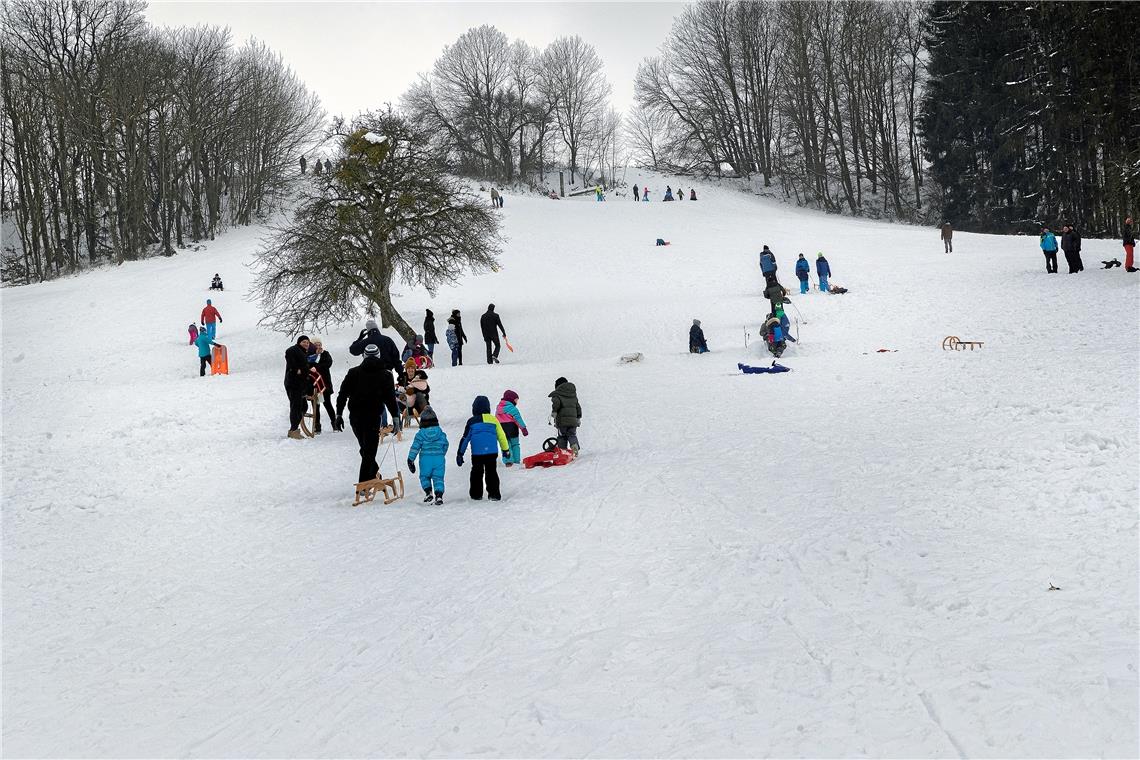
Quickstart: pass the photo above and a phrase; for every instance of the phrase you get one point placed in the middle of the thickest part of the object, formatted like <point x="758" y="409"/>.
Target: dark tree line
<point x="817" y="97"/>
<point x="119" y="140"/>
<point x="1032" y="113"/>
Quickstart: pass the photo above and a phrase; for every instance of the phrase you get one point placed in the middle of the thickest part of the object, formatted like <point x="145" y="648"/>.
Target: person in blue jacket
<point x="767" y="263"/>
<point x="486" y="437"/>
<point x="430" y="444"/>
<point x="203" y="342"/>
<point x="803" y="269"/>
<point x="1049" y="248"/>
<point x="823" y="270"/>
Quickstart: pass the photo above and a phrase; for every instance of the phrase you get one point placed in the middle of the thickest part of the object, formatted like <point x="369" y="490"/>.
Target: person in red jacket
<point x="210" y="318"/>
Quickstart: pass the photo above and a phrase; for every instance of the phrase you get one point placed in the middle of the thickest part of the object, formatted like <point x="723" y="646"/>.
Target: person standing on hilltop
<point x="947" y="237"/>
<point x="456" y="337"/>
<point x="430" y="338"/>
<point x="1129" y="245"/>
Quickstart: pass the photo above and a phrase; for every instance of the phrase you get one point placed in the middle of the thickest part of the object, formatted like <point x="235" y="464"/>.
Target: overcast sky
<point x="357" y="56"/>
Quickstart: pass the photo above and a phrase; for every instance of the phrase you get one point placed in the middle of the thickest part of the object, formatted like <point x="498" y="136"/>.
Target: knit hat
<point x="510" y="396"/>
<point x="371" y="324"/>
<point x="302" y="338"/>
<point x="697" y="322"/>
<point x="372" y="350"/>
<point x="819" y="255"/>
<point x="208" y="301"/>
<point x="559" y="381"/>
<point x="428" y="418"/>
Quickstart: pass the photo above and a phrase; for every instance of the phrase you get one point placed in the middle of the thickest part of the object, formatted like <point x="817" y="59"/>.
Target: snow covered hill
<point x="849" y="559"/>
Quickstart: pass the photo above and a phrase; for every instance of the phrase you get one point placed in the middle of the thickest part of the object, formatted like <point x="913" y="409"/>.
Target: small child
<point x="510" y="419"/>
<point x="485" y="436"/>
<point x="803" y="269"/>
<point x="823" y="269"/>
<point x="430" y="444"/>
<point x="416" y="391"/>
<point x="193" y="333"/>
<point x="566" y="413"/>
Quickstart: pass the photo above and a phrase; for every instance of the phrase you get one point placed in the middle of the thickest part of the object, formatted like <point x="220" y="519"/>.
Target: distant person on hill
<point x="1071" y="245"/>
<point x="822" y="270"/>
<point x="490" y="325"/>
<point x="1049" y="248"/>
<point x="304" y="163"/>
<point x="668" y="193"/>
<point x="216" y="283"/>
<point x="693" y="194"/>
<point x="317" y="167"/>
<point x="697" y="344"/>
<point x="803" y="269"/>
<point x="203" y="341"/>
<point x="947" y="237"/>
<point x="430" y="338"/>
<point x="494" y="197"/>
<point x="455" y="337"/>
<point x="1129" y="245"/>
<point x="680" y="193"/>
<point x="210" y="317"/>
<point x="193" y="330"/>
<point x="636" y="197"/>
<point x="645" y="194"/>
<point x="328" y="167"/>
<point x="768" y="264"/>
<point x="297" y="383"/>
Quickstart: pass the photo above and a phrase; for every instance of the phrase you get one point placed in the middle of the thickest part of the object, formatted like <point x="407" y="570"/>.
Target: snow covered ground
<point x="849" y="559"/>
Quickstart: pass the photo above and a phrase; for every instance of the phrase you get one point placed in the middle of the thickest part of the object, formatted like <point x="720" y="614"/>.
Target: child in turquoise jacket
<point x="510" y="419"/>
<point x="430" y="444"/>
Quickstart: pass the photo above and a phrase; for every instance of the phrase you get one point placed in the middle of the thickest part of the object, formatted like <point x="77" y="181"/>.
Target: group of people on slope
<point x="490" y="326"/>
<point x="204" y="337"/>
<point x="1070" y="244"/>
<point x="642" y="194"/>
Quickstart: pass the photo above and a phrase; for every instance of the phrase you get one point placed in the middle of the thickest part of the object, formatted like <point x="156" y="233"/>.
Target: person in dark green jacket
<point x="566" y="413"/>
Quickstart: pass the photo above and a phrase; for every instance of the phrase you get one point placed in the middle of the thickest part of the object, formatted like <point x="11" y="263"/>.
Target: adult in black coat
<point x="323" y="363"/>
<point x="1071" y="245"/>
<point x="365" y="389"/>
<point x="389" y="354"/>
<point x="697" y="344"/>
<point x="430" y="338"/>
<point x="297" y="382"/>
<point x="491" y="325"/>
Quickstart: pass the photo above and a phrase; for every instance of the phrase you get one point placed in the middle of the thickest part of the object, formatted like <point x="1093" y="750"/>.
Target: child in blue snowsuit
<point x="430" y="444"/>
<point x="803" y="268"/>
<point x="510" y="419"/>
<point x="823" y="270"/>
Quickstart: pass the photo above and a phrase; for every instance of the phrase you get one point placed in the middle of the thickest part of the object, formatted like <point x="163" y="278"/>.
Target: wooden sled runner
<point x="392" y="490"/>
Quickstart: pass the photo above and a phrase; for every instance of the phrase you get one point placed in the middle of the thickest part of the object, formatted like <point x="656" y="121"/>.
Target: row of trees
<point x="1032" y="113"/>
<point x="505" y="110"/>
<point x="118" y="140"/>
<point x="820" y="97"/>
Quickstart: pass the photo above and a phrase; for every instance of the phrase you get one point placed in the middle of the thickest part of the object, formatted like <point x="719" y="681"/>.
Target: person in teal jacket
<point x="430" y="444"/>
<point x="803" y="269"/>
<point x="203" y="342"/>
<point x="511" y="420"/>
<point x="1049" y="248"/>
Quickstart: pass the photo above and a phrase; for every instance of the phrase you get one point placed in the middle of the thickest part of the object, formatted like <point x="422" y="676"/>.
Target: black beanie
<point x="559" y="381"/>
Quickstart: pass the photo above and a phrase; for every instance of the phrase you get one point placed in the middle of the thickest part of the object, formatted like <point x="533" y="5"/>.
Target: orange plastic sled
<point x="220" y="365"/>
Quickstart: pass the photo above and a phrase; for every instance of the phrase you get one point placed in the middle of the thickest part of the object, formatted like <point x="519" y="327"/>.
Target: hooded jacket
<point x="564" y="406"/>
<point x="430" y="440"/>
<point x="697" y="338"/>
<point x="430" y="337"/>
<point x="389" y="354"/>
<point x="510" y="418"/>
<point x="365" y="389"/>
<point x="1048" y="242"/>
<point x="203" y="343"/>
<point x="483" y="432"/>
<point x="803" y="268"/>
<point x="822" y="268"/>
<point x="767" y="261"/>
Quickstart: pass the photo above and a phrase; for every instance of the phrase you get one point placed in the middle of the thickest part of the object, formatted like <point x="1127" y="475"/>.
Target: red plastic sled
<point x="555" y="458"/>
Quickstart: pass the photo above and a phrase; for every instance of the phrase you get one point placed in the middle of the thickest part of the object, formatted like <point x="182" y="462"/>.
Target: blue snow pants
<point x="803" y="286"/>
<point x="823" y="282"/>
<point x="514" y="456"/>
<point x="431" y="472"/>
<point x="211" y="329"/>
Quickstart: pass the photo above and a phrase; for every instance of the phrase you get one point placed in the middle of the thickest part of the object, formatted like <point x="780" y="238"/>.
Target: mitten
<point x="525" y="434"/>
<point x="411" y="466"/>
<point x="458" y="460"/>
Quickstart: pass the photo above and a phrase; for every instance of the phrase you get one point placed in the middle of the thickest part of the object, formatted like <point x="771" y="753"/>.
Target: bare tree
<point x="578" y="90"/>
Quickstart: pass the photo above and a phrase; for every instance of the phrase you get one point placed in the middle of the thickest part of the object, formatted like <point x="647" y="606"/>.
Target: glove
<point x="339" y="422"/>
<point x="525" y="434"/>
<point x="458" y="460"/>
<point x="411" y="467"/>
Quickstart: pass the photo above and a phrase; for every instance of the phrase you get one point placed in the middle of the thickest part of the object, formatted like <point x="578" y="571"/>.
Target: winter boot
<point x="296" y="434"/>
<point x="428" y="496"/>
<point x="439" y="500"/>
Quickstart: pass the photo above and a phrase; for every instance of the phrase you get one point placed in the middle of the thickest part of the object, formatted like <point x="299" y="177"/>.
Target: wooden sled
<point x="392" y="490"/>
<point x="953" y="343"/>
<point x="312" y="416"/>
<point x="387" y="431"/>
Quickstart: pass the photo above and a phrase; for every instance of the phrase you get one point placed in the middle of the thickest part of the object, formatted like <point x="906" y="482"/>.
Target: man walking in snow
<point x="636" y="197"/>
<point x="366" y="389"/>
<point x="947" y="237"/>
<point x="210" y="316"/>
<point x="491" y="325"/>
<point x="823" y="271"/>
<point x="297" y="383"/>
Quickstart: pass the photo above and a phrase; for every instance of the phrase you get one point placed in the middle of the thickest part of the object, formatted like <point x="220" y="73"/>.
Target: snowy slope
<point x="848" y="559"/>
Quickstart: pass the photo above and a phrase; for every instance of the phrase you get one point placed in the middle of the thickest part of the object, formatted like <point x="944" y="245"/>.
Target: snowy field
<point x="849" y="559"/>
